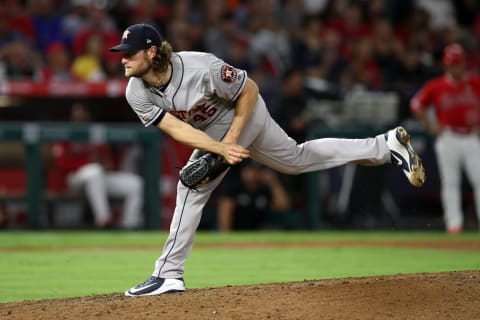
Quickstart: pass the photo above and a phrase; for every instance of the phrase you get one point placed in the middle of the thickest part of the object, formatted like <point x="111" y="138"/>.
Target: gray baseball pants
<point x="270" y="145"/>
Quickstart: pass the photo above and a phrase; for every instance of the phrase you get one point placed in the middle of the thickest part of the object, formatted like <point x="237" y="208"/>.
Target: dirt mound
<point x="447" y="295"/>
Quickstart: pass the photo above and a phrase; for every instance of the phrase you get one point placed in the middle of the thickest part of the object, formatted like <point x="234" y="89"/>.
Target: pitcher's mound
<point x="436" y="296"/>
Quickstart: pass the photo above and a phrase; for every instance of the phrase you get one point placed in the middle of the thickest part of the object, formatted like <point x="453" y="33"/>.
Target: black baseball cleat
<point x="404" y="156"/>
<point x="155" y="285"/>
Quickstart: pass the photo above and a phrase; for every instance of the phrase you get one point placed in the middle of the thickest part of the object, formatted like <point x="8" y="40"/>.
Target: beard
<point x="142" y="69"/>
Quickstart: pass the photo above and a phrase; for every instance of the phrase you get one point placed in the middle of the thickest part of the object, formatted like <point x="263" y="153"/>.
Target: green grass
<point x="41" y="265"/>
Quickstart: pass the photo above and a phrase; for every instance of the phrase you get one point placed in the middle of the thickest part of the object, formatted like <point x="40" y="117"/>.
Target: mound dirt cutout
<point x="447" y="295"/>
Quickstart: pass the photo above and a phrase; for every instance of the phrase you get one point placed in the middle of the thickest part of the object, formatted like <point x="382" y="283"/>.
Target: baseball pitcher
<point x="203" y="102"/>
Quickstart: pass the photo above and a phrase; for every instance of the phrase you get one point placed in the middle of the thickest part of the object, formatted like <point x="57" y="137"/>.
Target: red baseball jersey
<point x="72" y="156"/>
<point x="456" y="103"/>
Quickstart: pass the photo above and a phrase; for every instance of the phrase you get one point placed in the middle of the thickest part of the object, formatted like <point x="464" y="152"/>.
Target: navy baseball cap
<point x="138" y="37"/>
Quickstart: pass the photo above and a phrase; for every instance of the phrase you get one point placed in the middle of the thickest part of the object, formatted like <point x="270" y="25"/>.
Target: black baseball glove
<point x="203" y="170"/>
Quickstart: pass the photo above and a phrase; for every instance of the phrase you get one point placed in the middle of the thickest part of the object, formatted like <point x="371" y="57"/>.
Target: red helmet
<point x="453" y="54"/>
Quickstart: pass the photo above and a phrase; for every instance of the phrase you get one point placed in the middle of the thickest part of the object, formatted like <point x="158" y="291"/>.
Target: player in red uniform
<point x="88" y="167"/>
<point x="455" y="97"/>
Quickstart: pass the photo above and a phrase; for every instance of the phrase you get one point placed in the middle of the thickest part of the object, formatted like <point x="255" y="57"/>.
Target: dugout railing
<point x="315" y="210"/>
<point x="33" y="135"/>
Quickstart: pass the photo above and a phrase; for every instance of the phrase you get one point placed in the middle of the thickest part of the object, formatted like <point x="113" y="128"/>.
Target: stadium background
<point x="360" y="62"/>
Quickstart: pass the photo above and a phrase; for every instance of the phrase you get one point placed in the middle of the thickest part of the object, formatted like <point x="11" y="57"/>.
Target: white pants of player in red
<point x="98" y="184"/>
<point x="457" y="152"/>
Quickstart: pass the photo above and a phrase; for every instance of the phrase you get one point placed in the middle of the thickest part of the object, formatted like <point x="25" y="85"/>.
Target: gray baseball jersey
<point x="202" y="91"/>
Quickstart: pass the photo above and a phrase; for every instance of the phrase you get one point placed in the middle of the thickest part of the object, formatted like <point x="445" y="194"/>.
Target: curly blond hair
<point x="162" y="59"/>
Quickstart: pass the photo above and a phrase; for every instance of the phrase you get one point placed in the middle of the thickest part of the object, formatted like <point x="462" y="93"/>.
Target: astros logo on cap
<point x="126" y="33"/>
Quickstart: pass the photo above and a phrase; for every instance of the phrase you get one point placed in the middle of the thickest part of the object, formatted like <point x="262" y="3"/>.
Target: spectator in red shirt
<point x="348" y="19"/>
<point x="99" y="24"/>
<point x="58" y="64"/>
<point x="88" y="167"/>
<point x="363" y="70"/>
<point x="455" y="97"/>
<point x="19" y="19"/>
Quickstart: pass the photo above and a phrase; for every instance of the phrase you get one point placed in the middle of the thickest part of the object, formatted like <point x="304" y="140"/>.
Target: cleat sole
<point x="417" y="177"/>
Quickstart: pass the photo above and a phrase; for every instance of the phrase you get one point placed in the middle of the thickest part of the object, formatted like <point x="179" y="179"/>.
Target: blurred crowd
<point x="291" y="48"/>
<point x="378" y="44"/>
